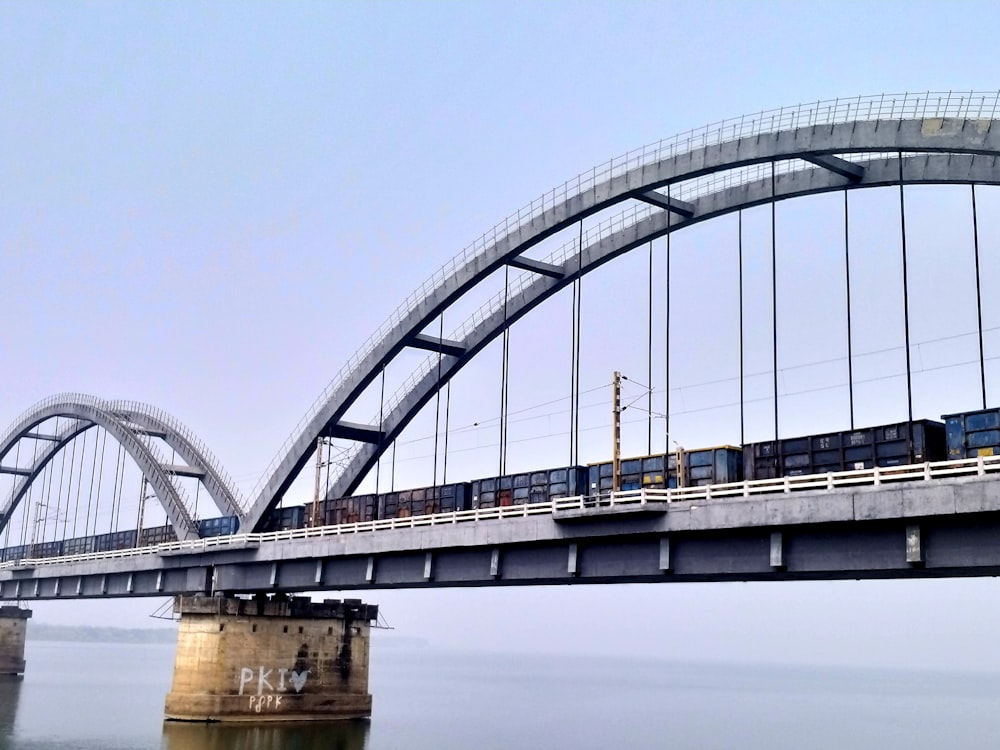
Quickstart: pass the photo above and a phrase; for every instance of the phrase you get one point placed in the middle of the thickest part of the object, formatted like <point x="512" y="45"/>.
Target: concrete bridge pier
<point x="13" y="627"/>
<point x="270" y="659"/>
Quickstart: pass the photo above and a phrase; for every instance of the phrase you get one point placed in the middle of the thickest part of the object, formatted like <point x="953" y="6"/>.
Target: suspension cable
<point x="447" y="419"/>
<point x="100" y="478"/>
<point x="979" y="298"/>
<point x="437" y="404"/>
<point x="381" y="431"/>
<point x="649" y="357"/>
<point x="850" y="336"/>
<point x="739" y="230"/>
<point x="504" y="375"/>
<point x="69" y="487"/>
<point x="119" y="484"/>
<point x="774" y="298"/>
<point x="79" y="484"/>
<point x="666" y="343"/>
<point x="906" y="295"/>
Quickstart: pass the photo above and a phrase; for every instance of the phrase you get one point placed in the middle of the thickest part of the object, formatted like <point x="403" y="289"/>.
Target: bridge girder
<point x="819" y="155"/>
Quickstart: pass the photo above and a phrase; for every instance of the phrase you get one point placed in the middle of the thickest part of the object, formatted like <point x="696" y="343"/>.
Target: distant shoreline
<point x="38" y="631"/>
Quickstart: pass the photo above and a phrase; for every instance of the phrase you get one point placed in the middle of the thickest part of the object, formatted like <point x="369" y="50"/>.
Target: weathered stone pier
<point x="13" y="627"/>
<point x="271" y="659"/>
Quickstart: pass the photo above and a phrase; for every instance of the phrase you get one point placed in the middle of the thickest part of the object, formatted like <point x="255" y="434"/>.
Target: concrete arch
<point x="89" y="412"/>
<point x="153" y="421"/>
<point x="705" y="180"/>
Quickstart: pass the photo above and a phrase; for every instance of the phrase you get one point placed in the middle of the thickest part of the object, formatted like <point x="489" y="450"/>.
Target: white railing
<point x="968" y="104"/>
<point x="969" y="467"/>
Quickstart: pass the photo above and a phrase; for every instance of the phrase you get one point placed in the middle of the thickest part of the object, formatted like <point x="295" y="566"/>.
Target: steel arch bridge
<point x="132" y="425"/>
<point x="843" y="144"/>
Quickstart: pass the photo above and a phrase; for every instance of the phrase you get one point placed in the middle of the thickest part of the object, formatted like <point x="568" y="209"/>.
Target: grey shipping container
<point x="12" y="554"/>
<point x="280" y="519"/>
<point x="701" y="466"/>
<point x="81" y="545"/>
<point x="46" y="549"/>
<point x="157" y="535"/>
<point x="218" y="526"/>
<point x="114" y="540"/>
<point x="529" y="487"/>
<point x="894" y="444"/>
<point x="973" y="433"/>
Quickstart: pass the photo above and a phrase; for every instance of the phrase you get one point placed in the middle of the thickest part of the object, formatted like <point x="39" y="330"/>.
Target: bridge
<point x="926" y="518"/>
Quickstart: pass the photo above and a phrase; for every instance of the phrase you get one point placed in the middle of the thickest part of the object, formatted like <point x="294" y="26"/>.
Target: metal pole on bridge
<point x="616" y="419"/>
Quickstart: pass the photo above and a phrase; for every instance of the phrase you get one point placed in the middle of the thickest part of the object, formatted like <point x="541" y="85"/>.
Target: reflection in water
<point x="341" y="735"/>
<point x="10" y="693"/>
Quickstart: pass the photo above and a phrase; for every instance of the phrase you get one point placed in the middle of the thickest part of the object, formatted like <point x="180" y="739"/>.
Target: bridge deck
<point x="946" y="525"/>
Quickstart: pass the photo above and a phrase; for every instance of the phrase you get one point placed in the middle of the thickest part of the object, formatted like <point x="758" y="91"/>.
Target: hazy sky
<point x="209" y="207"/>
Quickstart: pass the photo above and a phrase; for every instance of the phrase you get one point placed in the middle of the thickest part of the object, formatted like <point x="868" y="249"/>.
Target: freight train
<point x="962" y="435"/>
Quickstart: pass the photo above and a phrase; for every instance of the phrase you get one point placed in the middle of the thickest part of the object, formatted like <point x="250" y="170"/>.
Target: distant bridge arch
<point x="125" y="422"/>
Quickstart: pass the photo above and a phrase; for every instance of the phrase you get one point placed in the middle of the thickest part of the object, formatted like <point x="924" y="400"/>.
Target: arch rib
<point x="881" y="130"/>
<point x="153" y="421"/>
<point x="91" y="410"/>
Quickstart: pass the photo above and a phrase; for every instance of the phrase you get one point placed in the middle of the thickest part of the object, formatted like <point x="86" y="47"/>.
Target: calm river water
<point x="110" y="696"/>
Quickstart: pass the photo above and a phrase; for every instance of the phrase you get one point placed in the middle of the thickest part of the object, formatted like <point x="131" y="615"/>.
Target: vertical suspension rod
<point x="850" y="335"/>
<point x="437" y="408"/>
<point x="666" y="348"/>
<point x="447" y="420"/>
<point x="381" y="428"/>
<point x="739" y="225"/>
<point x="578" y="302"/>
<point x="649" y="360"/>
<point x="906" y="295"/>
<point x="504" y="376"/>
<point x="979" y="298"/>
<point x="774" y="298"/>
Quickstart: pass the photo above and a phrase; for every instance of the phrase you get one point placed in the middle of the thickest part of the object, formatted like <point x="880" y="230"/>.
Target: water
<point x="100" y="696"/>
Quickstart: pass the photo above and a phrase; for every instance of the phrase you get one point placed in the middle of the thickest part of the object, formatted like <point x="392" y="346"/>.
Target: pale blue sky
<point x="209" y="207"/>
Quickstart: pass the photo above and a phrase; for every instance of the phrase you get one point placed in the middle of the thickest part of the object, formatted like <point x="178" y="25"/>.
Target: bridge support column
<point x="262" y="660"/>
<point x="13" y="627"/>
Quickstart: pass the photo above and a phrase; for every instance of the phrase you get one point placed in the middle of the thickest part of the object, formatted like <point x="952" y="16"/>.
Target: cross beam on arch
<point x="854" y="143"/>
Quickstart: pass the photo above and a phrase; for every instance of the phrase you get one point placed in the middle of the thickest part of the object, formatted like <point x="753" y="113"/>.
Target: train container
<point x="157" y="535"/>
<point x="894" y="444"/>
<point x="223" y="526"/>
<point x="356" y="509"/>
<point x="716" y="465"/>
<point x="529" y="487"/>
<point x="444" y="498"/>
<point x="13" y="554"/>
<point x="81" y="545"/>
<point x="972" y="433"/>
<point x="46" y="549"/>
<point x="284" y="519"/>
<point x="114" y="540"/>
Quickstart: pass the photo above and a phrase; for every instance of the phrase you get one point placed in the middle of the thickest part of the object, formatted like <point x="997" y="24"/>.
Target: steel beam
<point x="850" y="170"/>
<point x="674" y="205"/>
<point x="435" y="344"/>
<point x="545" y="269"/>
<point x="353" y="431"/>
